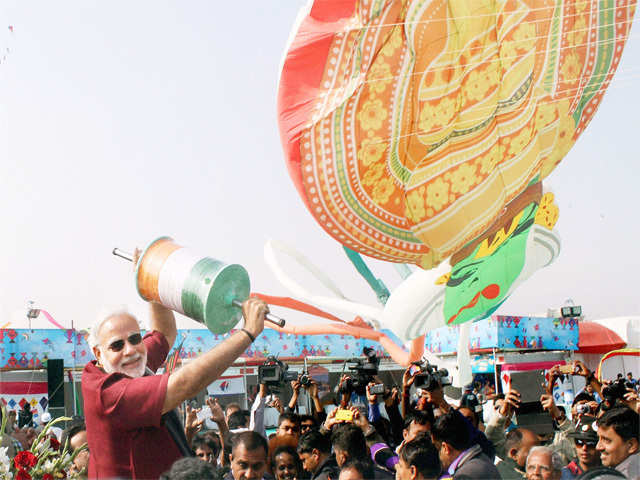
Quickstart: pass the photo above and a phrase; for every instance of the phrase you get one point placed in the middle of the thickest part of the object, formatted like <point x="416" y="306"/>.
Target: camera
<point x="305" y="379"/>
<point x="583" y="409"/>
<point x="377" y="389"/>
<point x="364" y="370"/>
<point x="430" y="377"/>
<point x="616" y="390"/>
<point x="274" y="373"/>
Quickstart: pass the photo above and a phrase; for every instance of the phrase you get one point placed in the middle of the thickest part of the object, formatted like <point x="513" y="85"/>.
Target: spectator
<point x="349" y="444"/>
<point x="231" y="407"/>
<point x="618" y="432"/>
<point x="630" y="379"/>
<point x="418" y="460"/>
<point x="132" y="427"/>
<point x="238" y="421"/>
<point x="248" y="456"/>
<point x="205" y="448"/>
<point x="543" y="464"/>
<point x="518" y="443"/>
<point x="460" y="458"/>
<point x="356" y="470"/>
<point x="307" y="422"/>
<point x="585" y="439"/>
<point x="76" y="435"/>
<point x="314" y="450"/>
<point x="189" y="468"/>
<point x="286" y="463"/>
<point x="418" y="421"/>
<point x="289" y="424"/>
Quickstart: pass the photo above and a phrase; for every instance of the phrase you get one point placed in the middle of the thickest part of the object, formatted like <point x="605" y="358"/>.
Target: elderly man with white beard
<point x="132" y="429"/>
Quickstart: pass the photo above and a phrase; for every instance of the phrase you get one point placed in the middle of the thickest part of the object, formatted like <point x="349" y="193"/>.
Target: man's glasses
<point x="118" y="345"/>
<point x="582" y="443"/>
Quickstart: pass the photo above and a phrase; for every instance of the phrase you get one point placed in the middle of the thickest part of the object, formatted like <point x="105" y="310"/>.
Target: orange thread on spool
<point x="151" y="263"/>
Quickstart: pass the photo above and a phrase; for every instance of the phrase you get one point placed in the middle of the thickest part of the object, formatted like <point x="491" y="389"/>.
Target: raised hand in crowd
<point x="345" y="397"/>
<point x="632" y="399"/>
<point x="191" y="424"/>
<point x="407" y="381"/>
<point x="217" y="414"/>
<point x="277" y="404"/>
<point x="331" y="420"/>
<point x="371" y="397"/>
<point x="550" y="406"/>
<point x="392" y="398"/>
<point x="510" y="404"/>
<point x="295" y="386"/>
<point x="581" y="369"/>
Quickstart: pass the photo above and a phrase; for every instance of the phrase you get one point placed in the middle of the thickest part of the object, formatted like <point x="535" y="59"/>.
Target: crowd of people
<point x="133" y="427"/>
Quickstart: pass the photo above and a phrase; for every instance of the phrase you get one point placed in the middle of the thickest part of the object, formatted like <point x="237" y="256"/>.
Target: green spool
<point x="209" y="291"/>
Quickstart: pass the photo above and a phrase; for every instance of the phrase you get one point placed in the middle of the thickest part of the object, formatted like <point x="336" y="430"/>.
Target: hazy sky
<point x="125" y="120"/>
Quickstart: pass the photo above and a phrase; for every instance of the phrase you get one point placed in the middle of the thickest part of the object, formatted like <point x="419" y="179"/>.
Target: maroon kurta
<point x="123" y="417"/>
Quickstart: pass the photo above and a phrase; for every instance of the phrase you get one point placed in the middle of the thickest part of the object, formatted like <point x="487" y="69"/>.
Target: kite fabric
<point x="409" y="125"/>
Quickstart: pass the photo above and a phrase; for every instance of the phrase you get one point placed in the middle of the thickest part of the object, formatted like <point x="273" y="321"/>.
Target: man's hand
<point x="217" y="414"/>
<point x="436" y="398"/>
<point x="631" y="398"/>
<point x="408" y="378"/>
<point x="191" y="423"/>
<point x="277" y="404"/>
<point x="312" y="389"/>
<point x="295" y="386"/>
<point x="331" y="420"/>
<point x="580" y="369"/>
<point x="549" y="405"/>
<point x="511" y="403"/>
<point x="393" y="398"/>
<point x="371" y="397"/>
<point x="262" y="391"/>
<point x="253" y="311"/>
<point x="359" y="420"/>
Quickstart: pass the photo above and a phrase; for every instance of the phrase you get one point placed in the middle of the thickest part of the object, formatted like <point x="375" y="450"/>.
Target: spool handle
<point x="122" y="254"/>
<point x="270" y="317"/>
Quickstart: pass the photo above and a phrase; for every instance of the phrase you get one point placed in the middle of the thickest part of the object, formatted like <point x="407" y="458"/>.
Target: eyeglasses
<point x="582" y="443"/>
<point x="118" y="345"/>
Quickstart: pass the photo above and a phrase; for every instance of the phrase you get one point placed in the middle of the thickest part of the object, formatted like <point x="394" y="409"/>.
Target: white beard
<point x="133" y="372"/>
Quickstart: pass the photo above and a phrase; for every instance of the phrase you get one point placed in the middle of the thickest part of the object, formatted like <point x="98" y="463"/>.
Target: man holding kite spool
<point x="132" y="430"/>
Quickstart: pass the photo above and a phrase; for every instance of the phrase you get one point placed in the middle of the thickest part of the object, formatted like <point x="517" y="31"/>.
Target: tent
<point x="596" y="338"/>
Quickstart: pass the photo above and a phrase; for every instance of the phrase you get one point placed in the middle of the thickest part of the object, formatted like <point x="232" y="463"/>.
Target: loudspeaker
<point x="55" y="383"/>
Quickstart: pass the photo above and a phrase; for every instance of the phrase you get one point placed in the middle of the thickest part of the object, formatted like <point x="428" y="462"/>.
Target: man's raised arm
<point x="196" y="375"/>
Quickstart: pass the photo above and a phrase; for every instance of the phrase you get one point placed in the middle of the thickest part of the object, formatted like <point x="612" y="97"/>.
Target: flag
<point x="172" y="360"/>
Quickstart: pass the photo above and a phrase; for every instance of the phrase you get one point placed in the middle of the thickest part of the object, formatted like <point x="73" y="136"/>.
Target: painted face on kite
<point x="479" y="283"/>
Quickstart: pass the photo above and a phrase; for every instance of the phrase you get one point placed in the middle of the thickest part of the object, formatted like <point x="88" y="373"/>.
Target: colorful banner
<point x="15" y="394"/>
<point x="505" y="332"/>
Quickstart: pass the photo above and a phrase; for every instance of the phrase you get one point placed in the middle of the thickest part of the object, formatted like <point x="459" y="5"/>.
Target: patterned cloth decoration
<point x="409" y="125"/>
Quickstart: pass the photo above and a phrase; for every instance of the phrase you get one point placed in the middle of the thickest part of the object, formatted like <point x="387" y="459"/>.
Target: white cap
<point x="46" y="417"/>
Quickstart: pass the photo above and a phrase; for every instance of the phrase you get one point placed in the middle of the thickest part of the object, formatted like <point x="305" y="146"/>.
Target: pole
<point x="495" y="371"/>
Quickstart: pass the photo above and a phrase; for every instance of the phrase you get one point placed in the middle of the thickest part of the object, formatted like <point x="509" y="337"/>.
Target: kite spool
<point x="202" y="288"/>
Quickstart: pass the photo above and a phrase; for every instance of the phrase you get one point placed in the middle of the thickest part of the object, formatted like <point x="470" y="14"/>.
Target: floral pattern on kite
<point x="409" y="125"/>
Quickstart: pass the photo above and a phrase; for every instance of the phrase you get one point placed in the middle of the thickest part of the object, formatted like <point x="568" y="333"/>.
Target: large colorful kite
<point x="419" y="131"/>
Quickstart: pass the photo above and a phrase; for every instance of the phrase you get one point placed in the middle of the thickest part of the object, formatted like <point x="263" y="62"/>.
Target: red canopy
<point x="595" y="338"/>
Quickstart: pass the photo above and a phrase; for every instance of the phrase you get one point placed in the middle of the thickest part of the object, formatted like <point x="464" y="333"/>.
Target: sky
<point x="124" y="121"/>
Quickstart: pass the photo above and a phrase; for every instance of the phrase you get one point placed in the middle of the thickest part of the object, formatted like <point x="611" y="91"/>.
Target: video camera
<point x="430" y="378"/>
<point x="616" y="390"/>
<point x="364" y="370"/>
<point x="275" y="373"/>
